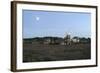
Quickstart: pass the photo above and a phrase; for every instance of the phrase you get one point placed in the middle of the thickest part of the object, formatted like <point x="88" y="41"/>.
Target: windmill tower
<point x="67" y="39"/>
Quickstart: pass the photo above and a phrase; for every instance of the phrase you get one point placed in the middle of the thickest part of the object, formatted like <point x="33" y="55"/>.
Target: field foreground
<point x="39" y="52"/>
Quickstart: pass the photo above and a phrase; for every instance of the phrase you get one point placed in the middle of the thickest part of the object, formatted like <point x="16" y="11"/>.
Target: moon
<point x="37" y="18"/>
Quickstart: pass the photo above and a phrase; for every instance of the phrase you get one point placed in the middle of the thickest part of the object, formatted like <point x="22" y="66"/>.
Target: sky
<point x="57" y="24"/>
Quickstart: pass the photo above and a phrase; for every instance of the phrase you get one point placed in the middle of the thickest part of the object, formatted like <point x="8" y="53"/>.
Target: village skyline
<point x="52" y="36"/>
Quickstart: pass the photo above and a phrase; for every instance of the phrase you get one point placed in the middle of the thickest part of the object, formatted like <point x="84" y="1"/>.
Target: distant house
<point x="75" y="40"/>
<point x="53" y="40"/>
<point x="60" y="41"/>
<point x="47" y="41"/>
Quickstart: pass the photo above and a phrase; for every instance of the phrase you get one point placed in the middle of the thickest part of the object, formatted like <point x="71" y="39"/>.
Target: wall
<point x="5" y="37"/>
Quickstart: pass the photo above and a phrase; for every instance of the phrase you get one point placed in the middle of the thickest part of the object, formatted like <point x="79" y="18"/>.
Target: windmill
<point x="67" y="39"/>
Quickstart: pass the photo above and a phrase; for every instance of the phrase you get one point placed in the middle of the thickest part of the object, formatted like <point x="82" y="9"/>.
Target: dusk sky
<point x="46" y="23"/>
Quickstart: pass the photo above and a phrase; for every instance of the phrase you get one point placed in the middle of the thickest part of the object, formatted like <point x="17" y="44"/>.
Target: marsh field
<point x="40" y="52"/>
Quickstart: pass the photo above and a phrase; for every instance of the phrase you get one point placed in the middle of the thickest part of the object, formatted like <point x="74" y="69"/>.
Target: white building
<point x="75" y="40"/>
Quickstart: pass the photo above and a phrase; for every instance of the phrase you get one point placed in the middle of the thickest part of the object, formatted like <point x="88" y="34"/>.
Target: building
<point x="75" y="40"/>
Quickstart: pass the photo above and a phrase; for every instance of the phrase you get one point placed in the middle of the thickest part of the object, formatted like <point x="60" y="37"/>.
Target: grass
<point x="40" y="52"/>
